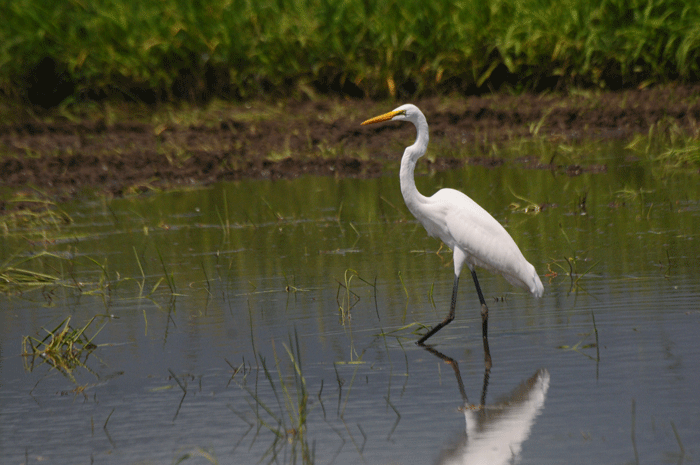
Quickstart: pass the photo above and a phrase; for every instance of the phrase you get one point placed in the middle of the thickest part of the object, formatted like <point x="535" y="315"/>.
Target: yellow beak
<point x="384" y="117"/>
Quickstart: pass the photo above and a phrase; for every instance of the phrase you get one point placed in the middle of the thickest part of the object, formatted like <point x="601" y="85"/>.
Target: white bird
<point x="475" y="237"/>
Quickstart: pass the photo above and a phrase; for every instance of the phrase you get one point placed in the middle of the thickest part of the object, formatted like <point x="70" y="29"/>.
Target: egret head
<point x="406" y="112"/>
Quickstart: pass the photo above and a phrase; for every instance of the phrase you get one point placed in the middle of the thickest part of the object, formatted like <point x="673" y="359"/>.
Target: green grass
<point x="238" y="48"/>
<point x="669" y="145"/>
<point x="15" y="276"/>
<point x="286" y="416"/>
<point x="64" y="348"/>
<point x="34" y="213"/>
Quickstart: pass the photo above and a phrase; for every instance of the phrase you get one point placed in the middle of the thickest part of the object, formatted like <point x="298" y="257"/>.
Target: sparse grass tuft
<point x="571" y="270"/>
<point x="13" y="276"/>
<point x="347" y="299"/>
<point x="34" y="213"/>
<point x="288" y="421"/>
<point x="64" y="348"/>
<point x="668" y="145"/>
<point x="579" y="346"/>
<point x="530" y="206"/>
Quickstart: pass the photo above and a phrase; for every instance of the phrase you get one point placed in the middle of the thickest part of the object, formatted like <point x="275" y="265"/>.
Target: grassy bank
<point x="51" y="50"/>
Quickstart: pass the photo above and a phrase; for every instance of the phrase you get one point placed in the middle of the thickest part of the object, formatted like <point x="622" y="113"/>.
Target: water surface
<point x="201" y="291"/>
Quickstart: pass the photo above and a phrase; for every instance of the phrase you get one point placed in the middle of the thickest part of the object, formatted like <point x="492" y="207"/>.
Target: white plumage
<point x="474" y="236"/>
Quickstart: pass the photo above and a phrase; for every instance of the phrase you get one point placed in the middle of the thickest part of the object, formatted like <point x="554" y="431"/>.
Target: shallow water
<point x="333" y="275"/>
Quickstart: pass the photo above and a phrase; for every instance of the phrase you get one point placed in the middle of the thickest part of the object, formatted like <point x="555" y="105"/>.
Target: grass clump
<point x="64" y="348"/>
<point x="15" y="277"/>
<point x="669" y="145"/>
<point x="32" y="212"/>
<point x="236" y="48"/>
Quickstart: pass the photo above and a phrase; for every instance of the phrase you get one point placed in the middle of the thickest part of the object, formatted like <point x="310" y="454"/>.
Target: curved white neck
<point x="411" y="196"/>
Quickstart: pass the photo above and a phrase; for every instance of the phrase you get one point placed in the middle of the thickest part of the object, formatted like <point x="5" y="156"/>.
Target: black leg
<point x="484" y="323"/>
<point x="450" y="316"/>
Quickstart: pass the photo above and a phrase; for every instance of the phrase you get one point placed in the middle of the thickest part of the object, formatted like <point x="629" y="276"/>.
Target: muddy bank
<point x="323" y="137"/>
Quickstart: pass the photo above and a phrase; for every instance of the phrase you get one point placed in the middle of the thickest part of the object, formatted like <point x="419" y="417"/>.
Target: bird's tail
<point x="537" y="289"/>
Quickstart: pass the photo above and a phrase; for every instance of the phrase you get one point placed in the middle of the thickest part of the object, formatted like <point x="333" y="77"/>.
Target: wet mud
<point x="63" y="158"/>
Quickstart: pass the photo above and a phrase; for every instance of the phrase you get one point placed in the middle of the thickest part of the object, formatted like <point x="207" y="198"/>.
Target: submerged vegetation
<point x="242" y="49"/>
<point x="289" y="423"/>
<point x="33" y="212"/>
<point x="14" y="275"/>
<point x="669" y="145"/>
<point x="42" y="255"/>
<point x="64" y="348"/>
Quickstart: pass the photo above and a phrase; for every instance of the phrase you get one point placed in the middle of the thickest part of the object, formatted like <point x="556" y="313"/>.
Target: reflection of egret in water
<point x="495" y="432"/>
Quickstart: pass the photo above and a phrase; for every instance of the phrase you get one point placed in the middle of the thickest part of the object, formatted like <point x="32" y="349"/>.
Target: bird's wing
<point x="483" y="239"/>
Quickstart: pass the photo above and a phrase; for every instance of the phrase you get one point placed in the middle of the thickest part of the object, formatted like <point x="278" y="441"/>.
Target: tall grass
<point x="288" y="423"/>
<point x="51" y="49"/>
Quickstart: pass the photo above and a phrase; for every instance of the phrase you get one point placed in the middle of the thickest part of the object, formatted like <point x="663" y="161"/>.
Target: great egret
<point x="474" y="236"/>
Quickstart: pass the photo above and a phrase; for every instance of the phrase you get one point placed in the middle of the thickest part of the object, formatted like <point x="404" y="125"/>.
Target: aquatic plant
<point x="579" y="346"/>
<point x="64" y="348"/>
<point x="15" y="277"/>
<point x="34" y="213"/>
<point x="195" y="453"/>
<point x="287" y="422"/>
<point x="346" y="297"/>
<point x="571" y="270"/>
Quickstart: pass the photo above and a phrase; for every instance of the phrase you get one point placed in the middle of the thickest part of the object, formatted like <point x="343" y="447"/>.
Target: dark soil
<point x="314" y="137"/>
